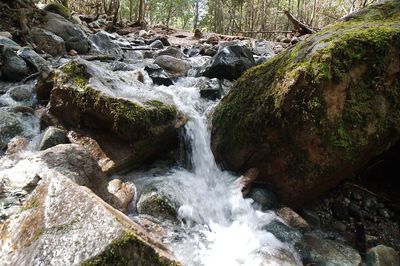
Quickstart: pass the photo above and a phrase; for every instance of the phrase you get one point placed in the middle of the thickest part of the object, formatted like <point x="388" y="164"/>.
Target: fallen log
<point x="300" y="26"/>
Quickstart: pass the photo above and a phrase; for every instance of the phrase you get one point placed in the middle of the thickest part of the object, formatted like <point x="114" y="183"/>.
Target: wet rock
<point x="10" y="126"/>
<point x="7" y="42"/>
<point x="157" y="44"/>
<point x="158" y="205"/>
<point x="163" y="39"/>
<point x="245" y="182"/>
<point x="133" y="130"/>
<point x="14" y="67"/>
<point x="311" y="217"/>
<point x="35" y="60"/>
<point x="48" y="42"/>
<point x="133" y="56"/>
<point x="263" y="198"/>
<point x="230" y="62"/>
<point x="329" y="252"/>
<point x="123" y="192"/>
<point x="6" y="34"/>
<point x="44" y="86"/>
<point x="102" y="42"/>
<point x="121" y="66"/>
<point x="209" y="52"/>
<point x="172" y="51"/>
<point x="272" y="101"/>
<point x="292" y="218"/>
<point x="73" y="36"/>
<point x="16" y="145"/>
<point x="211" y="89"/>
<point x="64" y="223"/>
<point x="52" y="137"/>
<point x="382" y="256"/>
<point x="22" y="93"/>
<point x="175" y="66"/>
<point x="158" y="75"/>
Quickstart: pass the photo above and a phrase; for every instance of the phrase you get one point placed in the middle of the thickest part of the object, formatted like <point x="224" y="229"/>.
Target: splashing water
<point x="221" y="227"/>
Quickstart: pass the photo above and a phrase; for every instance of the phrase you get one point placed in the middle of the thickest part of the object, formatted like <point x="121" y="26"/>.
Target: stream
<point x="217" y="225"/>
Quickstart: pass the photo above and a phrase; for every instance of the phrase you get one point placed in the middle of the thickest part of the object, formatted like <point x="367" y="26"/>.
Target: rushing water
<point x="220" y="226"/>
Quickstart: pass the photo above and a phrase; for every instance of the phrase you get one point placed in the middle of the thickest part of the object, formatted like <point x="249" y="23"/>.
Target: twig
<point x="368" y="191"/>
<point x="139" y="48"/>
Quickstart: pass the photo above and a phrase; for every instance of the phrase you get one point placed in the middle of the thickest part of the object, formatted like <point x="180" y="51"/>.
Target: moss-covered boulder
<point x="62" y="223"/>
<point x="59" y="9"/>
<point x="317" y="112"/>
<point x="130" y="127"/>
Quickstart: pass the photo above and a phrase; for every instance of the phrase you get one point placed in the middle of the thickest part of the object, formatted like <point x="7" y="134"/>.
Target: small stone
<point x="123" y="192"/>
<point x="213" y="39"/>
<point x="354" y="211"/>
<point x="384" y="213"/>
<point x="157" y="44"/>
<point x="72" y="52"/>
<point x="198" y="34"/>
<point x="382" y="256"/>
<point x="16" y="145"/>
<point x="6" y="34"/>
<point x="338" y="226"/>
<point x="292" y="218"/>
<point x="143" y="33"/>
<point x="52" y="137"/>
<point x="356" y="195"/>
<point x="311" y="217"/>
<point x="339" y="209"/>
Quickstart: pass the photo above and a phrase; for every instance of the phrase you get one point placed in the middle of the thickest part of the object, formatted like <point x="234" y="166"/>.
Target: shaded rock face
<point x="230" y="62"/>
<point x="73" y="37"/>
<point x="62" y="223"/>
<point x="48" y="42"/>
<point x="87" y="96"/>
<point x="52" y="137"/>
<point x="10" y="126"/>
<point x="14" y="67"/>
<point x="102" y="42"/>
<point x="316" y="113"/>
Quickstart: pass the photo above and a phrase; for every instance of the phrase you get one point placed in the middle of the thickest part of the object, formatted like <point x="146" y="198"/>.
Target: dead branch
<point x="301" y="27"/>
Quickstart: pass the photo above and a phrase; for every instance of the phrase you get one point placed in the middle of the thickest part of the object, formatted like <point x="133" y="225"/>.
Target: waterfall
<point x="221" y="227"/>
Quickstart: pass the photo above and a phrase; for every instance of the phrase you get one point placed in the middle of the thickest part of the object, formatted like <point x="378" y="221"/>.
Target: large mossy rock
<point x="62" y="223"/>
<point x="317" y="112"/>
<point x="130" y="127"/>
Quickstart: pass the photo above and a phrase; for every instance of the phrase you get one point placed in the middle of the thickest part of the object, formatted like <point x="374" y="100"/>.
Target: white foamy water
<point x="220" y="226"/>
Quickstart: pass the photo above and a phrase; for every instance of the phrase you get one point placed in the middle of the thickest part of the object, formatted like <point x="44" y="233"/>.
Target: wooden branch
<point x="99" y="57"/>
<point x="271" y="31"/>
<point x="303" y="28"/>
<point x="139" y="48"/>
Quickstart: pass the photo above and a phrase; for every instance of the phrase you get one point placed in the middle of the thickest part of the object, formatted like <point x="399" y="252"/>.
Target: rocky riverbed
<point x="105" y="137"/>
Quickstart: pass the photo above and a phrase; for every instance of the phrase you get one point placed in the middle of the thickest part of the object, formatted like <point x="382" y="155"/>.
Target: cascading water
<point x="220" y="226"/>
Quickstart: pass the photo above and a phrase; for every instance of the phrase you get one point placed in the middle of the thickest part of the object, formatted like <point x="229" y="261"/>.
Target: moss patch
<point x="128" y="250"/>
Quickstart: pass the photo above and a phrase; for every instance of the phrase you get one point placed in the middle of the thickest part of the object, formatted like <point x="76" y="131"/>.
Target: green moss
<point x="38" y="234"/>
<point x="59" y="9"/>
<point x="128" y="250"/>
<point x="129" y="119"/>
<point x="30" y="205"/>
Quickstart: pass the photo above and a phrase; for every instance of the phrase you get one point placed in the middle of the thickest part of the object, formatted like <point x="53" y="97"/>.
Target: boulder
<point x="102" y="42"/>
<point x="172" y="51"/>
<point x="157" y="44"/>
<point x="7" y="42"/>
<point x="52" y="137"/>
<point x="23" y="94"/>
<point x="158" y="75"/>
<point x="263" y="48"/>
<point x="382" y="256"/>
<point x="157" y="205"/>
<point x="175" y="66"/>
<point x="263" y="198"/>
<point x="62" y="223"/>
<point x="123" y="192"/>
<point x="130" y="126"/>
<point x="230" y="62"/>
<point x="211" y="89"/>
<point x="318" y="112"/>
<point x="330" y="252"/>
<point x="14" y="67"/>
<point x="10" y="126"/>
<point x="32" y="58"/>
<point x="72" y="35"/>
<point x="48" y="42"/>
<point x="59" y="9"/>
